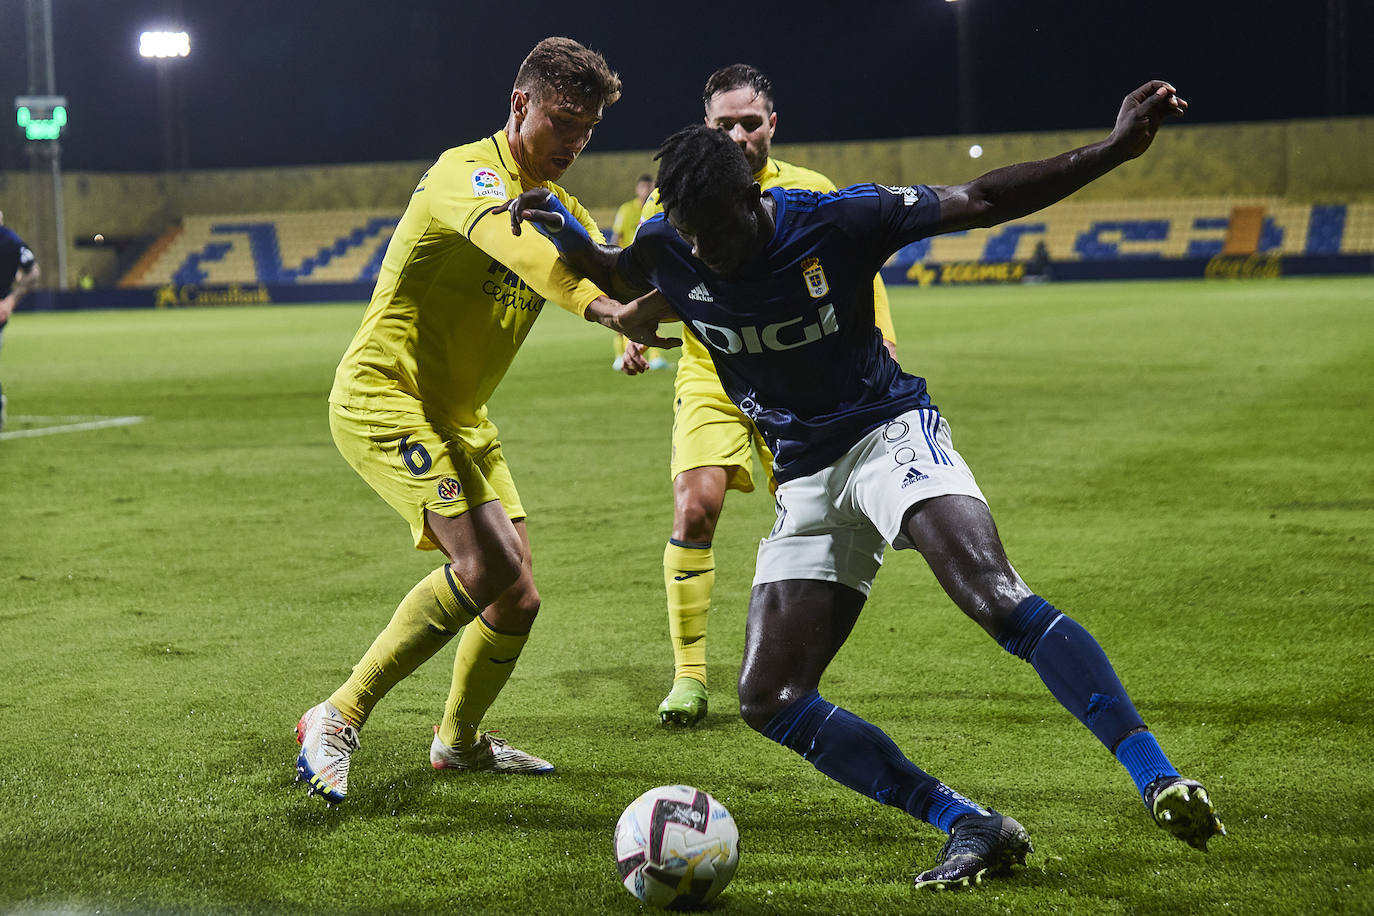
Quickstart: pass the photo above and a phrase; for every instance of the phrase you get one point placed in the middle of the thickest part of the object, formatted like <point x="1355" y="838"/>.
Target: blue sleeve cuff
<point x="573" y="237"/>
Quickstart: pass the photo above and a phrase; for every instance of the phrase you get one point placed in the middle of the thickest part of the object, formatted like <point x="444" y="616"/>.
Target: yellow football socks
<point x="688" y="574"/>
<point x="426" y="619"/>
<point x="484" y="662"/>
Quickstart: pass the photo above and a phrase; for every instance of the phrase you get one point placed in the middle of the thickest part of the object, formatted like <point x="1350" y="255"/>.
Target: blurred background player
<point x="456" y="296"/>
<point x="712" y="440"/>
<point x="627" y="216"/>
<point x="623" y="233"/>
<point x="18" y="274"/>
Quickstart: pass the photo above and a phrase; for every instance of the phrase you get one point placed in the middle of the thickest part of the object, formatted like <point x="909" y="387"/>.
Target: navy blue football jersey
<point x="791" y="332"/>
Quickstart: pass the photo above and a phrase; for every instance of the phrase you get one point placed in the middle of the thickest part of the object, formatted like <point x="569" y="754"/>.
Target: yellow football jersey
<point x="457" y="294"/>
<point x="695" y="364"/>
<point x="626" y="222"/>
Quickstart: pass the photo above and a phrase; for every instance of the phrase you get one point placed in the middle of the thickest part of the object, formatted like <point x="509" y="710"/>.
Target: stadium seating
<point x="1160" y="229"/>
<point x="276" y="249"/>
<point x="346" y="246"/>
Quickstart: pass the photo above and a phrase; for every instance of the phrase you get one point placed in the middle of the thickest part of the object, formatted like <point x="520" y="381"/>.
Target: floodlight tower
<point x="165" y="49"/>
<point x="42" y="115"/>
<point x="963" y="50"/>
<point x="1336" y="58"/>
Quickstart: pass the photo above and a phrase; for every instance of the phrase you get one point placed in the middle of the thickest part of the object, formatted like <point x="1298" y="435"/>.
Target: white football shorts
<point x="834" y="524"/>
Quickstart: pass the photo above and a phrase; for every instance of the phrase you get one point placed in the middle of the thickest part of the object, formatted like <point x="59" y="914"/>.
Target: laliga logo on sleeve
<point x="486" y="183"/>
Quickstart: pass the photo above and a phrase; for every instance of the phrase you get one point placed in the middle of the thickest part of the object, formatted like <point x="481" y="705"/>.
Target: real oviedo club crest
<point x="814" y="274"/>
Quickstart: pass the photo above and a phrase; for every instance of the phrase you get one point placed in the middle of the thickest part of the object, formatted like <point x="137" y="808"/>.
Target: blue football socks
<point x="1144" y="759"/>
<point x="858" y="754"/>
<point x="1074" y="667"/>
<point x="1076" y="670"/>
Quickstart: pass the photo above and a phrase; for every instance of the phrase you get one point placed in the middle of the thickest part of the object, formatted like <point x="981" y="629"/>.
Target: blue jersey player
<point x="18" y="273"/>
<point x="779" y="286"/>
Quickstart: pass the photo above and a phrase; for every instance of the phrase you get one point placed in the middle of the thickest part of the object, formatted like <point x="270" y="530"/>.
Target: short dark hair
<point x="564" y="68"/>
<point x="700" y="165"/>
<point x="737" y="76"/>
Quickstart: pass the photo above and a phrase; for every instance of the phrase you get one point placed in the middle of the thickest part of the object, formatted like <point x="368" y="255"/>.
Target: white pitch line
<point x="101" y="423"/>
<point x="31" y="419"/>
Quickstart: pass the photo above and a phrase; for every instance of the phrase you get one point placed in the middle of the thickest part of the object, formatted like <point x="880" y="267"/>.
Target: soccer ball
<point x="676" y="846"/>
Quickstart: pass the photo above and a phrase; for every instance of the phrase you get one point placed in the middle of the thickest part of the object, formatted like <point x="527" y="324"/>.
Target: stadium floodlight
<point x="41" y="117"/>
<point x="164" y="44"/>
<point x="164" y="48"/>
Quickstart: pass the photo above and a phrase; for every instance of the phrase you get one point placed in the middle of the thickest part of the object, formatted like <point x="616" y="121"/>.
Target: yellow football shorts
<point x="415" y="466"/>
<point x="710" y="431"/>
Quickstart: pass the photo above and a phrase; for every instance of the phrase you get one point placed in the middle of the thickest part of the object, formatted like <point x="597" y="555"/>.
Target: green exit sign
<point x="41" y="117"/>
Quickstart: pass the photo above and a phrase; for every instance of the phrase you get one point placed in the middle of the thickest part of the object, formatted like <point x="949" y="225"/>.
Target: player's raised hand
<point x="632" y="362"/>
<point x="1141" y="114"/>
<point x="539" y="206"/>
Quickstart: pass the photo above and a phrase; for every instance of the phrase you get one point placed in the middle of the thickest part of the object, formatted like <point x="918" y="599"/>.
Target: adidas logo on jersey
<point x="912" y="476"/>
<point x="700" y="293"/>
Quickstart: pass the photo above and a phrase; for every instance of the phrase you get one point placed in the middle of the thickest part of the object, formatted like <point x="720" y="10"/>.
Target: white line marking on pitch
<point x="87" y="424"/>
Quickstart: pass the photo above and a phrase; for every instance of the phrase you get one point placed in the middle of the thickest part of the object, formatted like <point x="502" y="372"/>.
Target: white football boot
<point x="488" y="754"/>
<point x="327" y="743"/>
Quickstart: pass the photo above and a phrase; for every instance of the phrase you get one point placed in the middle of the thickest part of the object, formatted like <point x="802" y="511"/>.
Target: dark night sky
<point x="284" y="83"/>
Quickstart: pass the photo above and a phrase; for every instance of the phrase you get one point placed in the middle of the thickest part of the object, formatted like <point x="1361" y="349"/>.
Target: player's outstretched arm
<point x="541" y="208"/>
<point x="1016" y="190"/>
<point x="637" y="319"/>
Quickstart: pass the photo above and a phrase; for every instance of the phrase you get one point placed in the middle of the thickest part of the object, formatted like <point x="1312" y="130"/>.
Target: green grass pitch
<point x="1186" y="468"/>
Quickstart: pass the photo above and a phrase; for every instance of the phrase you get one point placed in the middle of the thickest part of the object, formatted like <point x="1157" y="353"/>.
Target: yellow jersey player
<point x="627" y="216"/>
<point x="712" y="439"/>
<point x="456" y="296"/>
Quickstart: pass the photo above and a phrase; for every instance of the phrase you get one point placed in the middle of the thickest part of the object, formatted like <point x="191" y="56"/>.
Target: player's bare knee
<point x="524" y="603"/>
<point x="695" y="520"/>
<point x="998" y="617"/>
<point x="759" y="703"/>
<point x="515" y="610"/>
<point x="506" y="564"/>
<point x="993" y="594"/>
<point x="757" y="715"/>
<point x="488" y="576"/>
<point x="698" y="498"/>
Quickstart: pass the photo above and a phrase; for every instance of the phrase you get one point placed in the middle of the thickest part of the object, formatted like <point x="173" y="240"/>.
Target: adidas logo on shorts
<point x="912" y="476"/>
<point x="700" y="293"/>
